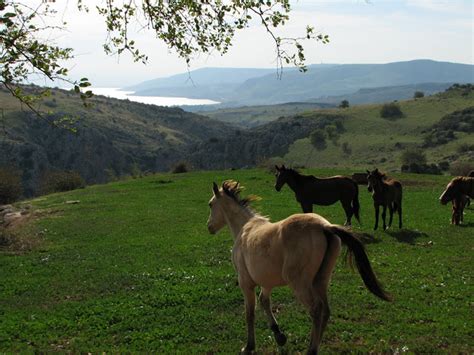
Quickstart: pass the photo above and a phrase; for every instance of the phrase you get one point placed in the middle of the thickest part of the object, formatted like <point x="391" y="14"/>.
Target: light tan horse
<point x="299" y="251"/>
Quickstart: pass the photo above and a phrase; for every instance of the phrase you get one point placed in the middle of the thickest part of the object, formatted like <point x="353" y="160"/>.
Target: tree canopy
<point x="188" y="27"/>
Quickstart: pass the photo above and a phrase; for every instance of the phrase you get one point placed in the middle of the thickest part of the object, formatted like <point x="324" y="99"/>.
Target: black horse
<point x="386" y="193"/>
<point x="310" y="190"/>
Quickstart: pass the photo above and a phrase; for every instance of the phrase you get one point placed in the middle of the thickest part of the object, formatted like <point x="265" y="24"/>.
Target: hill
<point x="385" y="94"/>
<point x="319" y="81"/>
<point x="370" y="140"/>
<point x="131" y="267"/>
<point x="117" y="137"/>
<point x="113" y="138"/>
<point x="252" y="116"/>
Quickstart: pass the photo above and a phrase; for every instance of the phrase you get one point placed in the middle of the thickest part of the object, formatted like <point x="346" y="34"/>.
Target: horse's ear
<point x="277" y="168"/>
<point x="283" y="167"/>
<point x="215" y="189"/>
<point x="376" y="170"/>
<point x="368" y="172"/>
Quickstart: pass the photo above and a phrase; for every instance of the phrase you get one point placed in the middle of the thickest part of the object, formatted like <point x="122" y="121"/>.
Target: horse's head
<point x="216" y="220"/>
<point x="282" y="174"/>
<point x="374" y="178"/>
<point x="220" y="201"/>
<point x="452" y="189"/>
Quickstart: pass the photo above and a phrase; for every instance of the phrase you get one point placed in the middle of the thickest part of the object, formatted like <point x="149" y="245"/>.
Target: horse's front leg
<point x="376" y="207"/>
<point x="384" y="214"/>
<point x="249" y="296"/>
<point x="390" y="211"/>
<point x="265" y="301"/>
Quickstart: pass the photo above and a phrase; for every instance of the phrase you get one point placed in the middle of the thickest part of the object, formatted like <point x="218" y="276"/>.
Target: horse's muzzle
<point x="278" y="188"/>
<point x="211" y="230"/>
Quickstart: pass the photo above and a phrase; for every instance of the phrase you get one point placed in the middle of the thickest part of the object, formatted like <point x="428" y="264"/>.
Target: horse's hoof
<point x="247" y="349"/>
<point x="280" y="339"/>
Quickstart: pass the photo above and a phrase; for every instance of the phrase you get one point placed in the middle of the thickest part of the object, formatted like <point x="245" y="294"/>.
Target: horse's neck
<point x="236" y="217"/>
<point x="296" y="182"/>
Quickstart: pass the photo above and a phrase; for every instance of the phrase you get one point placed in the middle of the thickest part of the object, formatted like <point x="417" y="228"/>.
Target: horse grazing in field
<point x="299" y="251"/>
<point x="458" y="191"/>
<point x="311" y="190"/>
<point x="386" y="193"/>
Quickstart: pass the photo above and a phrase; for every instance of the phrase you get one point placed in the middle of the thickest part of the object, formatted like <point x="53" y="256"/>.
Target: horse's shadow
<point x="367" y="238"/>
<point x="408" y="236"/>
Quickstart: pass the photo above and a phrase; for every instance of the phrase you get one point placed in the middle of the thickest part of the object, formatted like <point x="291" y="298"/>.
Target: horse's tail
<point x="355" y="203"/>
<point x="357" y="249"/>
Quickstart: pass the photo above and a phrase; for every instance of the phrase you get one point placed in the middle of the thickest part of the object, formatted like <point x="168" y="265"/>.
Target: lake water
<point x="152" y="100"/>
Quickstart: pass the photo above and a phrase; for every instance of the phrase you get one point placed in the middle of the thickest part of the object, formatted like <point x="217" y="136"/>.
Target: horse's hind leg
<point x="348" y="210"/>
<point x="307" y="207"/>
<point x="249" y="295"/>
<point x="265" y="301"/>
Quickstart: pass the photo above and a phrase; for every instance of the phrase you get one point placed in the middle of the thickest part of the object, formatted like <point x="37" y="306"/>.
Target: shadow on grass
<point x="406" y="235"/>
<point x="466" y="225"/>
<point x="367" y="238"/>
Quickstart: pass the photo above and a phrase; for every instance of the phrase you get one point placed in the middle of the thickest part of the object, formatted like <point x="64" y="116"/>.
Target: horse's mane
<point x="233" y="188"/>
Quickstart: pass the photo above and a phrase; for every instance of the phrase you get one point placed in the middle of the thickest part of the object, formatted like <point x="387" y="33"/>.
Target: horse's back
<point x="327" y="191"/>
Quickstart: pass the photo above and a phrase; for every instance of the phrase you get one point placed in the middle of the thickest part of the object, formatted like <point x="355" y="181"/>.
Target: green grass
<point x="132" y="268"/>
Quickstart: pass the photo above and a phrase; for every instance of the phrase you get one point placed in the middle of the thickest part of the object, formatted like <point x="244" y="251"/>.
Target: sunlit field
<point x="131" y="267"/>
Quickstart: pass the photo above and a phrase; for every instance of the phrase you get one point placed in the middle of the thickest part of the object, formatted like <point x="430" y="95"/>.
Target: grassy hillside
<point x="113" y="137"/>
<point x="375" y="141"/>
<point x="252" y="116"/>
<point x="132" y="268"/>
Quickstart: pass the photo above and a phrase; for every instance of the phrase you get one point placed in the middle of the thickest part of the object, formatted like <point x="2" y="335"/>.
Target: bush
<point x="461" y="168"/>
<point x="346" y="148"/>
<point x="421" y="168"/>
<point x="344" y="104"/>
<point x="10" y="185"/>
<point x="181" y="167"/>
<point x="391" y="110"/>
<point x="413" y="156"/>
<point x="318" y="139"/>
<point x="60" y="181"/>
<point x="418" y="94"/>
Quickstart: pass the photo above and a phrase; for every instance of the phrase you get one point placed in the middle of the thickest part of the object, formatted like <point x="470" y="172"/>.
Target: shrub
<point x="10" y="185"/>
<point x="391" y="110"/>
<point x="418" y="94"/>
<point x="344" y="104"/>
<point x="464" y="148"/>
<point x="181" y="167"/>
<point x="461" y="168"/>
<point x="318" y="139"/>
<point x="413" y="156"/>
<point x="346" y="148"/>
<point x="60" y="181"/>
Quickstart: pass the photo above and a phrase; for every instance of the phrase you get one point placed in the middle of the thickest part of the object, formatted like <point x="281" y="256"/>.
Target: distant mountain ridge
<point x="233" y="86"/>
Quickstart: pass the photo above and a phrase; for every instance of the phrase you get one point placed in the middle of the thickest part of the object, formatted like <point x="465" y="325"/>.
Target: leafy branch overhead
<point x="26" y="56"/>
<point x="189" y="27"/>
<point x="192" y="27"/>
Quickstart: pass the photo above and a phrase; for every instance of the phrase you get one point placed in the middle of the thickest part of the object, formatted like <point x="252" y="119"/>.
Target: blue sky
<point x="375" y="31"/>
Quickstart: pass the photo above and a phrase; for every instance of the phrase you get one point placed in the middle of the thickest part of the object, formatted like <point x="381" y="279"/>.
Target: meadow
<point x="131" y="267"/>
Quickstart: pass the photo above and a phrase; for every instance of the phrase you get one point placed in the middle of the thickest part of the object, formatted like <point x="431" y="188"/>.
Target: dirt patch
<point x="16" y="234"/>
<point x="413" y="182"/>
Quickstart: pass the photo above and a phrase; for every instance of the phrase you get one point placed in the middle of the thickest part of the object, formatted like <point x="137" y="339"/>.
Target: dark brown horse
<point x="310" y="190"/>
<point x="458" y="190"/>
<point x="386" y="193"/>
<point x="459" y="203"/>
